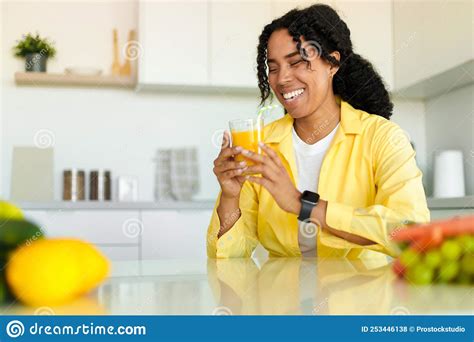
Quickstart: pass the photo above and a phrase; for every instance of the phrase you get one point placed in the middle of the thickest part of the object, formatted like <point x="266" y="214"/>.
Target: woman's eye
<point x="271" y="71"/>
<point x="296" y="62"/>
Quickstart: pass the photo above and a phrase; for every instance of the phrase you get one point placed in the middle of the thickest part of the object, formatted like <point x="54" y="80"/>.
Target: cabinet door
<point x="175" y="234"/>
<point x="116" y="233"/>
<point x="174" y="44"/>
<point x="370" y="23"/>
<point x="120" y="253"/>
<point x="430" y="38"/>
<point x="235" y="28"/>
<point x="281" y="7"/>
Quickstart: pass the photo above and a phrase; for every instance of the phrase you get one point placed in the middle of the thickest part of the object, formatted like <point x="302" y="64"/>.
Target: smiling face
<point x="300" y="88"/>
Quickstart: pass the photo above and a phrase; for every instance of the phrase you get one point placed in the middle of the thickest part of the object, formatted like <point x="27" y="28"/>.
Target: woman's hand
<point x="274" y="178"/>
<point x="228" y="171"/>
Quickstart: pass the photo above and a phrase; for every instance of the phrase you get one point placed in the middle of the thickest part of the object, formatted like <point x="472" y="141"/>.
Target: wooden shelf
<point x="40" y="78"/>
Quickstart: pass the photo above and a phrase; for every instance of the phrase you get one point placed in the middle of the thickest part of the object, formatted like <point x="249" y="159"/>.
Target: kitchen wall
<point x="410" y="115"/>
<point x="450" y="123"/>
<point x="119" y="129"/>
<point x="114" y="128"/>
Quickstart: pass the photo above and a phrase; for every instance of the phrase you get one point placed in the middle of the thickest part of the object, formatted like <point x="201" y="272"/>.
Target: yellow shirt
<point x="369" y="178"/>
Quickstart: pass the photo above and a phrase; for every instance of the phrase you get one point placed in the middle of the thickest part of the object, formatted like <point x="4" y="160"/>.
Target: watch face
<point x="310" y="196"/>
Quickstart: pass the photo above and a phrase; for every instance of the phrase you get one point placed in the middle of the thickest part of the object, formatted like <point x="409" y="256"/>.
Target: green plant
<point x="34" y="44"/>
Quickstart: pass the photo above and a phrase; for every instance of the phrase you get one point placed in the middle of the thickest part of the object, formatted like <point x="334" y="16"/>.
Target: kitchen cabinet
<point x="280" y="7"/>
<point x="173" y="39"/>
<point x="175" y="234"/>
<point x="131" y="234"/>
<point x="430" y="38"/>
<point x="153" y="231"/>
<point x="370" y="24"/>
<point x="373" y="44"/>
<point x="215" y="46"/>
<point x="235" y="28"/>
<point x="115" y="233"/>
<point x="441" y="208"/>
<point x="120" y="253"/>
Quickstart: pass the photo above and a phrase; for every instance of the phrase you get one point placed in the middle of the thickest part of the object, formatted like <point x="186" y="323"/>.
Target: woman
<point x="334" y="161"/>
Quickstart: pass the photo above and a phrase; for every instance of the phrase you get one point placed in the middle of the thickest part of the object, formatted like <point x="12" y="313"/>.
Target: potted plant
<point x="35" y="50"/>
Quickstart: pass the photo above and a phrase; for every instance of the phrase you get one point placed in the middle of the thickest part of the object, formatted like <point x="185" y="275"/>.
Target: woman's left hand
<point x="274" y="178"/>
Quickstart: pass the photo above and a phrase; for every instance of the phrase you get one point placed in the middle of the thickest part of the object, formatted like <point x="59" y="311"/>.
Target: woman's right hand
<point x="228" y="171"/>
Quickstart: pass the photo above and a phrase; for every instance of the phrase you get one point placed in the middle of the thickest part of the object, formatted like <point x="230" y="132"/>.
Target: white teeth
<point x="293" y="94"/>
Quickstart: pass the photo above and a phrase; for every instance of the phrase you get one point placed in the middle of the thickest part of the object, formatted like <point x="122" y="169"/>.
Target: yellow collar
<point x="350" y="124"/>
<point x="281" y="133"/>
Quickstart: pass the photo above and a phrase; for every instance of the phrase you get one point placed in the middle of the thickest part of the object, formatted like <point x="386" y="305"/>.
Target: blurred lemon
<point x="55" y="271"/>
<point x="95" y="266"/>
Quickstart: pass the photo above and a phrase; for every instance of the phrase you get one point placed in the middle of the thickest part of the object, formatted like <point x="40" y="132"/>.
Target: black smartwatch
<point x="309" y="200"/>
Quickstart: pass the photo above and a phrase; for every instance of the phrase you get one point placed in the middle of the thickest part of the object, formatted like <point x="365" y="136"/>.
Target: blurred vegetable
<point x="441" y="251"/>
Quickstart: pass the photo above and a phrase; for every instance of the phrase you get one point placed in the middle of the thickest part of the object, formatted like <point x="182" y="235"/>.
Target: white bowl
<point x="83" y="71"/>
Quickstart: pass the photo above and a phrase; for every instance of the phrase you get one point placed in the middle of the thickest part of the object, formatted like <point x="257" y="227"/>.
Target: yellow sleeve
<point x="400" y="197"/>
<point x="240" y="240"/>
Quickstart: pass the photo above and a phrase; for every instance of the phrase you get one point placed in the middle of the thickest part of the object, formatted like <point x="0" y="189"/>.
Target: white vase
<point x="449" y="174"/>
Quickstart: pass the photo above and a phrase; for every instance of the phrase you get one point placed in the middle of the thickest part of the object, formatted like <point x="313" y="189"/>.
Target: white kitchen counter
<point x="433" y="203"/>
<point x="466" y="202"/>
<point x="280" y="286"/>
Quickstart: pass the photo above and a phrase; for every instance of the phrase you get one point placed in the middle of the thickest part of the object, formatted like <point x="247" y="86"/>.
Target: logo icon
<point x="44" y="138"/>
<point x="132" y="228"/>
<point x="15" y="328"/>
<point x="309" y="227"/>
<point x="310" y="50"/>
<point x="222" y="311"/>
<point x="399" y="310"/>
<point x="132" y="50"/>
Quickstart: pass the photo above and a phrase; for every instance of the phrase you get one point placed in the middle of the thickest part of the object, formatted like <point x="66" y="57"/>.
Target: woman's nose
<point x="284" y="76"/>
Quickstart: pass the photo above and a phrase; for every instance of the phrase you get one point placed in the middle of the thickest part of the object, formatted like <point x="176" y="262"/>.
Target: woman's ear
<point x="334" y="68"/>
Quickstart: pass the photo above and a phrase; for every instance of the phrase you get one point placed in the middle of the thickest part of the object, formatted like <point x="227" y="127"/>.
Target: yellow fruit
<point x="9" y="212"/>
<point x="95" y="267"/>
<point x="55" y="271"/>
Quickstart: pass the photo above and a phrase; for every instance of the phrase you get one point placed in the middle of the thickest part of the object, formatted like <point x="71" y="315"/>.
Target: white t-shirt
<point x="308" y="163"/>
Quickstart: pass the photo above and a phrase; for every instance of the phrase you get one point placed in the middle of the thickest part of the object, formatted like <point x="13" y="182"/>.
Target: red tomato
<point x="450" y="227"/>
<point x="432" y="239"/>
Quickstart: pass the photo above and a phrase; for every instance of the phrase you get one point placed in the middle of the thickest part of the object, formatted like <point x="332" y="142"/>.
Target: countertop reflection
<point x="276" y="286"/>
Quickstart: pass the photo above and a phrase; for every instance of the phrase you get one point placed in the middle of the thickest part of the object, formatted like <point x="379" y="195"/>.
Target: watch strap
<point x="306" y="209"/>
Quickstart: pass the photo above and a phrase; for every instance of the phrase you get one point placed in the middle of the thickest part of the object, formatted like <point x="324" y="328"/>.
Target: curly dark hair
<point x="356" y="81"/>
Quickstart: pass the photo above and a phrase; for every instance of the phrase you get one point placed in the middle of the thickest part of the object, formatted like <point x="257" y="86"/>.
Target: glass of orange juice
<point x="247" y="133"/>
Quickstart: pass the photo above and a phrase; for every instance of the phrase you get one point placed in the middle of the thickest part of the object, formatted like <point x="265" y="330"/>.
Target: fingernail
<point x="245" y="152"/>
<point x="247" y="177"/>
<point x="242" y="163"/>
<point x="239" y="171"/>
<point x="261" y="144"/>
<point x="245" y="168"/>
<point x="238" y="148"/>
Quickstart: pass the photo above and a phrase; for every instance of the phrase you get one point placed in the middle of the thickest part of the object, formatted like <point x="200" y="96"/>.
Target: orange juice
<point x="249" y="141"/>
